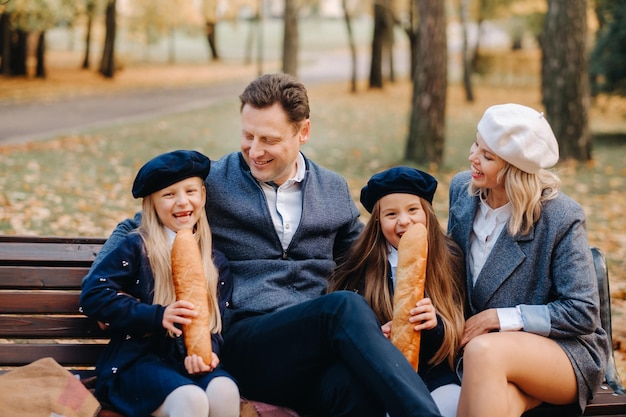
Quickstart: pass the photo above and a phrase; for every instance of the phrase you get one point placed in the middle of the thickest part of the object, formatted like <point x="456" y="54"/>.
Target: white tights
<point x="221" y="399"/>
<point x="447" y="399"/>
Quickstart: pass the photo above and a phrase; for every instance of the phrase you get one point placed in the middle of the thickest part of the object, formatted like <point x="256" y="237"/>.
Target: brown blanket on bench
<point x="258" y="409"/>
<point x="44" y="389"/>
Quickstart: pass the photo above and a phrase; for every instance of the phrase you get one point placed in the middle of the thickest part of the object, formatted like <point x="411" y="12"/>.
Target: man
<point x="282" y="221"/>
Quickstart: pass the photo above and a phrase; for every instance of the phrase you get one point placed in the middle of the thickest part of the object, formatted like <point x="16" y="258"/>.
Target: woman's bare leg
<point x="507" y="373"/>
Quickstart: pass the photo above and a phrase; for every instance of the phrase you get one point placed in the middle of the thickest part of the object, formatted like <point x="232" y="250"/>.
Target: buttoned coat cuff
<point x="536" y="319"/>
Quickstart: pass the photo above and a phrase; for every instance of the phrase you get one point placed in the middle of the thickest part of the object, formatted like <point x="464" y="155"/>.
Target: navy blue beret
<point x="403" y="180"/>
<point x="169" y="168"/>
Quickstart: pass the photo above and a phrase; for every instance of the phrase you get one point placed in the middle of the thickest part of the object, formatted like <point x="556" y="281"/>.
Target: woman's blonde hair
<point x="526" y="192"/>
<point x="158" y="250"/>
<point x="365" y="269"/>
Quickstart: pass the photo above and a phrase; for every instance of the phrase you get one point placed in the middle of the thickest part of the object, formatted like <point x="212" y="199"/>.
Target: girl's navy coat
<point x="552" y="266"/>
<point x="119" y="293"/>
<point x="434" y="376"/>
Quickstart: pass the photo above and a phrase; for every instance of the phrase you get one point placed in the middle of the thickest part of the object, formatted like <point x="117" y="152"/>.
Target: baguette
<point x="410" y="281"/>
<point x="190" y="285"/>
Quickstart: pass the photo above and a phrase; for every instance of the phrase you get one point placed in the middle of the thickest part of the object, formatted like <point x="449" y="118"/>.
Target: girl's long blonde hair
<point x="365" y="269"/>
<point x="526" y="193"/>
<point x="158" y="250"/>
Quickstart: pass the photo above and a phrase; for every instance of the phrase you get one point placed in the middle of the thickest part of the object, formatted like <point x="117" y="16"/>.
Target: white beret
<point x="520" y="135"/>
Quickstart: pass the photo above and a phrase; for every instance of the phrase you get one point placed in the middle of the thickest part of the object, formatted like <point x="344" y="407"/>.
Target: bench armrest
<point x="602" y="274"/>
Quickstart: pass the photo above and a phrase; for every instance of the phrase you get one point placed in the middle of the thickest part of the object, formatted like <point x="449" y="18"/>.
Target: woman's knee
<point x="481" y="351"/>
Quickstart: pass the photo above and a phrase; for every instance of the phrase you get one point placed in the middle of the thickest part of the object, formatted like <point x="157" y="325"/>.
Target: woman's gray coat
<point x="552" y="266"/>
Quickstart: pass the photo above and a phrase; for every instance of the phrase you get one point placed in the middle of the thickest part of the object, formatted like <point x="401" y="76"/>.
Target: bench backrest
<point x="40" y="282"/>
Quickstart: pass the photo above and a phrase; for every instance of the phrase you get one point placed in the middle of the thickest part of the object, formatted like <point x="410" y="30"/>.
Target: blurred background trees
<point x="608" y="57"/>
<point x="565" y="76"/>
<point x="577" y="48"/>
<point x="426" y="137"/>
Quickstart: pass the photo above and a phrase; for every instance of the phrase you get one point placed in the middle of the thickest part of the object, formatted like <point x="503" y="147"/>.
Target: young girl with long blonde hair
<point x="145" y="369"/>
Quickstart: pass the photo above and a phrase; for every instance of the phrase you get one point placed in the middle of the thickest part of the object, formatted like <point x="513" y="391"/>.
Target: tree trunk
<point x="5" y="43"/>
<point x="378" y="42"/>
<point x="210" y="36"/>
<point x="425" y="143"/>
<point x="210" y="16"/>
<point x="467" y="64"/>
<point x="290" y="38"/>
<point x="89" y="9"/>
<point x="412" y="32"/>
<point x="19" y="53"/>
<point x="564" y="77"/>
<point x="475" y="59"/>
<point x="348" y="20"/>
<point x="107" y="65"/>
<point x="389" y="40"/>
<point x="40" y="71"/>
<point x="414" y="45"/>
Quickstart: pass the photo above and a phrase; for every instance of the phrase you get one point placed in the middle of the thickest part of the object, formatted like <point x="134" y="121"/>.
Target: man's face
<point x="270" y="142"/>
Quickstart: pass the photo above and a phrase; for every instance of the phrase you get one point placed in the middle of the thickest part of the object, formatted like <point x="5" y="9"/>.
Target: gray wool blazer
<point x="551" y="266"/>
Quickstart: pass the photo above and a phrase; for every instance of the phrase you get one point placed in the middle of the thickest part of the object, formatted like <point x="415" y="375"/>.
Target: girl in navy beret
<point x="398" y="198"/>
<point x="145" y="369"/>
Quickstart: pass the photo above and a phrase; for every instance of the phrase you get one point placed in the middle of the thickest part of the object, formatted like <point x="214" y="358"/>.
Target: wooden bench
<point x="40" y="281"/>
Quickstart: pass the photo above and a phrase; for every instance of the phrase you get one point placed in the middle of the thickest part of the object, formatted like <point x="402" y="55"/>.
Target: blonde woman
<point x="398" y="198"/>
<point x="145" y="369"/>
<point x="533" y="333"/>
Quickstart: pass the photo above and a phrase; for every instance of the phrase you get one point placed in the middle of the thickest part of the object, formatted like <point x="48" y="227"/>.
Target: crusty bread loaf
<point x="410" y="281"/>
<point x="190" y="285"/>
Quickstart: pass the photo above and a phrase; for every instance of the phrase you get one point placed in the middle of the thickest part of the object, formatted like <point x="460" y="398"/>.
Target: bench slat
<point x="55" y="302"/>
<point x="606" y="403"/>
<point x="51" y="239"/>
<point x="49" y="327"/>
<point x="40" y="253"/>
<point x="43" y="277"/>
<point x="65" y="354"/>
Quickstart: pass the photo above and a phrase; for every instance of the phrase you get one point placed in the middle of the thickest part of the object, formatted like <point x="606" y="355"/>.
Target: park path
<point x="24" y="122"/>
<point x="32" y="121"/>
